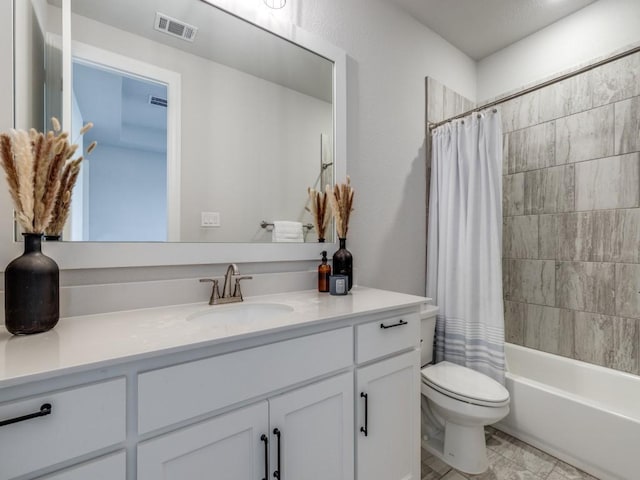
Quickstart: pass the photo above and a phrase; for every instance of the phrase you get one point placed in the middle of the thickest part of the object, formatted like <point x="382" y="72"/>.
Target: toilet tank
<point x="427" y="333"/>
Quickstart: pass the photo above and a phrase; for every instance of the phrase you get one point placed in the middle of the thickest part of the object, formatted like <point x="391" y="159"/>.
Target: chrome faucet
<point x="227" y="296"/>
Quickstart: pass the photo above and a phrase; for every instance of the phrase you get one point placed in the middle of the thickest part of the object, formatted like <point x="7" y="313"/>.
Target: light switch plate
<point x="209" y="219"/>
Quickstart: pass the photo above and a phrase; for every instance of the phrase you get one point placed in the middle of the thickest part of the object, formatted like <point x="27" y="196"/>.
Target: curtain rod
<point x="539" y="86"/>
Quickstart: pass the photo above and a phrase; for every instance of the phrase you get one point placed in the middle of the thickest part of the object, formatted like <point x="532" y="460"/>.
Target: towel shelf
<point x="263" y="224"/>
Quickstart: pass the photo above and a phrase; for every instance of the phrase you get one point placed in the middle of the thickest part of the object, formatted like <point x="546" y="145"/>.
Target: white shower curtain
<point x="464" y="264"/>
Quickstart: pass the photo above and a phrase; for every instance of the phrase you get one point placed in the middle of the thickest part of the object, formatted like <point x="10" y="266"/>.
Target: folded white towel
<point x="285" y="231"/>
<point x="286" y="224"/>
<point x="287" y="227"/>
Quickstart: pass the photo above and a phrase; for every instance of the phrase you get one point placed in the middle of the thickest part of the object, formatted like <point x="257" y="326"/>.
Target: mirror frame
<point x="87" y="255"/>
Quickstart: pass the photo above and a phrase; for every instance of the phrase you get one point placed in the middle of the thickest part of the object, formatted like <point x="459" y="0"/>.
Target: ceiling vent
<point x="161" y="102"/>
<point x="174" y="27"/>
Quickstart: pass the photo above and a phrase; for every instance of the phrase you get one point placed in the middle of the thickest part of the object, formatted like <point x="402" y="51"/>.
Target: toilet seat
<point x="464" y="384"/>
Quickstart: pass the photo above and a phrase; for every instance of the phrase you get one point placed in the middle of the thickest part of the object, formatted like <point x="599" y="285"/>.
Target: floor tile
<point x="564" y="471"/>
<point x="531" y="459"/>
<point x="429" y="474"/>
<point x="434" y="463"/>
<point x="453" y="475"/>
<point x="509" y="459"/>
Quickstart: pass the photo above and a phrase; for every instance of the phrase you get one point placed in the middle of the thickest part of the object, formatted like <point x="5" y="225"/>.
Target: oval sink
<point x="250" y="314"/>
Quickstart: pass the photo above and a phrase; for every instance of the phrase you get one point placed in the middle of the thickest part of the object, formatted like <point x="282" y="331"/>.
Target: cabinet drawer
<point x="170" y="395"/>
<point x="82" y="420"/>
<point x="377" y="339"/>
<point x="111" y="467"/>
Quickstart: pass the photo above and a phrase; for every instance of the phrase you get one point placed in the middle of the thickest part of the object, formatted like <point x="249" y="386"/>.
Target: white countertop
<point x="92" y="341"/>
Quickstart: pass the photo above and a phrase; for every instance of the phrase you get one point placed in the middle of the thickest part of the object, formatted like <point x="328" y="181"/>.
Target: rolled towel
<point x="286" y="231"/>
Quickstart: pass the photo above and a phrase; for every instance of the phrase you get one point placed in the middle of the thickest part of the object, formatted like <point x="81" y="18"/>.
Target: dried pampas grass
<point x="320" y="211"/>
<point x="34" y="164"/>
<point x="341" y="200"/>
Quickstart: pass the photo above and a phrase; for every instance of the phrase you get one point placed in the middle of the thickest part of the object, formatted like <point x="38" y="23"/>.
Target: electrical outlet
<point x="209" y="219"/>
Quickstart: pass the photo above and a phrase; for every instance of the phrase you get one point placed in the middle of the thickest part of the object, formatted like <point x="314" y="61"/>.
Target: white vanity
<point x="328" y="389"/>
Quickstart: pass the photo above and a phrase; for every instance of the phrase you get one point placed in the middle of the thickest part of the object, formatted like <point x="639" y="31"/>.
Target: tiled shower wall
<point x="571" y="205"/>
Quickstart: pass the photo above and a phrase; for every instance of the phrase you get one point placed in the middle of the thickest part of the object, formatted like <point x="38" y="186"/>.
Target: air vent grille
<point x="176" y="28"/>
<point x="161" y="102"/>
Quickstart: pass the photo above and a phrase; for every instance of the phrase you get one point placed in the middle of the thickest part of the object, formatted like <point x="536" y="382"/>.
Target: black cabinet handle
<point x="45" y="409"/>
<point x="399" y="324"/>
<point x="265" y="439"/>
<point x="365" y="429"/>
<point x="277" y="473"/>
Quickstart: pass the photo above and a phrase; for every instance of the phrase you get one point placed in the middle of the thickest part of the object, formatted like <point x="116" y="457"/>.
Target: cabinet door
<point x="315" y="425"/>
<point x="388" y="399"/>
<point x="227" y="447"/>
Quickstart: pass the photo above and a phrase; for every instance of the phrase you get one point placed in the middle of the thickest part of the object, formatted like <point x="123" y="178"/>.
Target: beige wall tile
<point x="586" y="286"/>
<point x="585" y="136"/>
<point x="550" y="190"/>
<point x="513" y="194"/>
<point x="608" y="183"/>
<point x="617" y="80"/>
<point x="520" y="237"/>
<point x="627" y="126"/>
<point x="532" y="148"/>
<point x="532" y="281"/>
<point x="549" y="329"/>
<point x="607" y="341"/>
<point x="567" y="97"/>
<point x="628" y="290"/>
<point x="514" y="318"/>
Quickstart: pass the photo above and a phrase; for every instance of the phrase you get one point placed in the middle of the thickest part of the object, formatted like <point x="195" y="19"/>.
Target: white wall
<point x="593" y="32"/>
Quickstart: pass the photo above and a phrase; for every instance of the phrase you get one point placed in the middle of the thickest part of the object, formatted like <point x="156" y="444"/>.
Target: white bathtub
<point x="586" y="415"/>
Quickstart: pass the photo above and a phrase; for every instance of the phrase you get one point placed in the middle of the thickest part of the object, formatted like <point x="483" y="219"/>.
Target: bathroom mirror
<point x="288" y="131"/>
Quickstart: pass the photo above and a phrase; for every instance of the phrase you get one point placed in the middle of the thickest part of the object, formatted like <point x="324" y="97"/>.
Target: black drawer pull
<point x="45" y="409"/>
<point x="365" y="429"/>
<point x="278" y="473"/>
<point x="265" y="439"/>
<point x="399" y="324"/>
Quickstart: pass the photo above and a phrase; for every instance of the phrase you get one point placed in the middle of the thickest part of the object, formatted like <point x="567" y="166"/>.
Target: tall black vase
<point x="31" y="284"/>
<point x="343" y="262"/>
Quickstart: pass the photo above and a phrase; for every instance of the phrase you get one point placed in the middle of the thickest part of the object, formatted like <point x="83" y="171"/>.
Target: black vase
<point x="343" y="262"/>
<point x="31" y="284"/>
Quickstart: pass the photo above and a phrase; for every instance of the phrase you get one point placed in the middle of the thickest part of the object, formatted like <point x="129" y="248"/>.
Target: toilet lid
<point x="465" y="384"/>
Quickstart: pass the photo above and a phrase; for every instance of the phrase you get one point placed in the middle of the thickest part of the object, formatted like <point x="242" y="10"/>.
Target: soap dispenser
<point x="324" y="270"/>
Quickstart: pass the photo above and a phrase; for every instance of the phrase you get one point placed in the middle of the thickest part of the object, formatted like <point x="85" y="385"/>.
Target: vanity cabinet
<point x="81" y="420"/>
<point x="332" y="393"/>
<point x="303" y="434"/>
<point x="110" y="467"/>
<point x="388" y="399"/>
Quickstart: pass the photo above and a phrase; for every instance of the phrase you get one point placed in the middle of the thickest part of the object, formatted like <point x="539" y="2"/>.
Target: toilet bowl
<point x="457" y="404"/>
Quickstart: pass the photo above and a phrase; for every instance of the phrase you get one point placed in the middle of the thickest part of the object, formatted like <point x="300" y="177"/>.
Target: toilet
<point x="457" y="403"/>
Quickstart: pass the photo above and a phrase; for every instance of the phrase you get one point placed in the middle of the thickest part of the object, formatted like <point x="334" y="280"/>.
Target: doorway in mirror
<point x="122" y="195"/>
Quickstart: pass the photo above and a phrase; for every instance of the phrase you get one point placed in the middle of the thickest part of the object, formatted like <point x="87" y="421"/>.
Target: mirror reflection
<point x="208" y="127"/>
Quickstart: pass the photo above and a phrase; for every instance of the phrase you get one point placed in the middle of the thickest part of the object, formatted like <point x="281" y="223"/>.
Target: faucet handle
<point x="237" y="292"/>
<point x="215" y="291"/>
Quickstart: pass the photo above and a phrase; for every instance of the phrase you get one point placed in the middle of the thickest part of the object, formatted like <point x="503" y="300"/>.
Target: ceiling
<point x="221" y="37"/>
<point x="482" y="27"/>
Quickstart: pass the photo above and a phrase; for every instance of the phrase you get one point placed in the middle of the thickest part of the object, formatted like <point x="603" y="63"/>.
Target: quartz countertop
<point x="94" y="341"/>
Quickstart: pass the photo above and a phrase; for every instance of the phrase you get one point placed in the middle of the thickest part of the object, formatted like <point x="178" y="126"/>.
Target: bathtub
<point x="586" y="415"/>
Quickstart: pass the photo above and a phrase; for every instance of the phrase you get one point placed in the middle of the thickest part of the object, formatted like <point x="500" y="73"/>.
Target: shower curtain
<point x="464" y="264"/>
